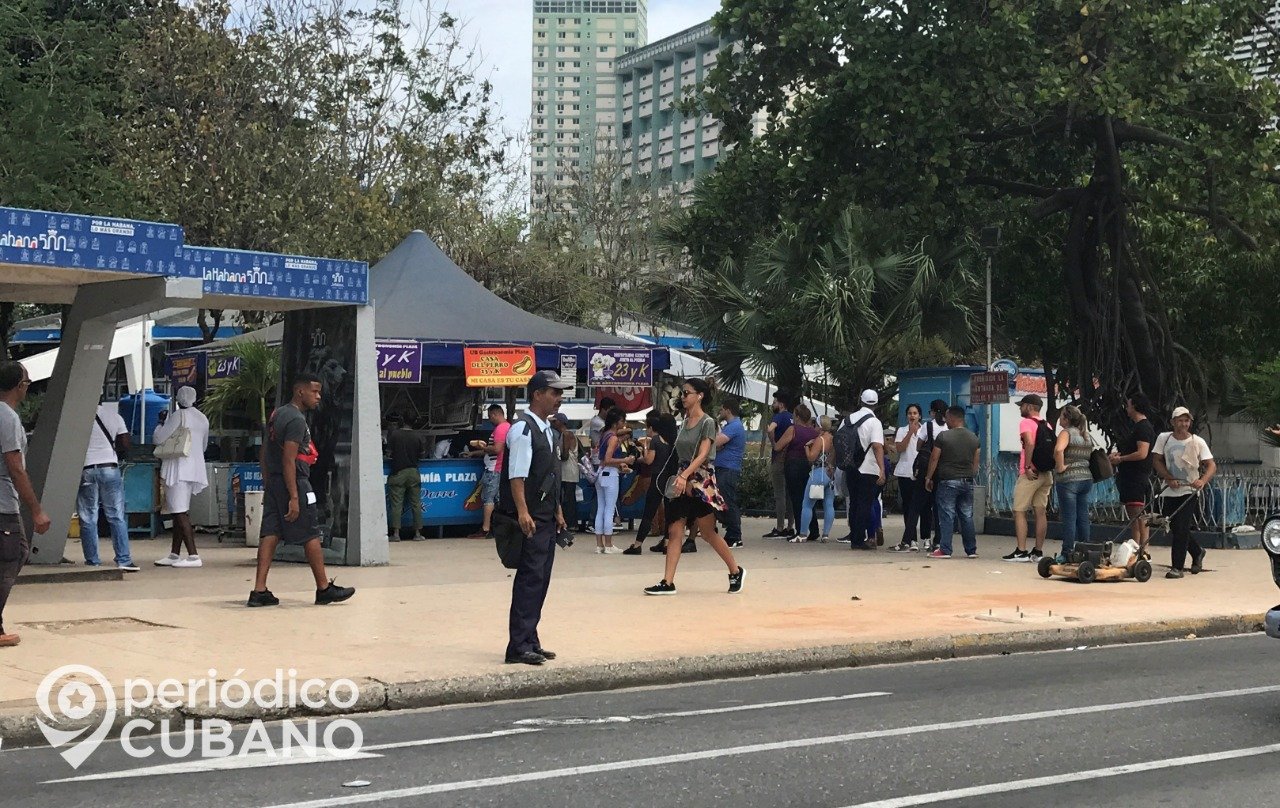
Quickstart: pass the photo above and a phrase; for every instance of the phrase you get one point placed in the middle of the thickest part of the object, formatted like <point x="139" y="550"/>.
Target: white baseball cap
<point x="870" y="397"/>
<point x="1178" y="412"/>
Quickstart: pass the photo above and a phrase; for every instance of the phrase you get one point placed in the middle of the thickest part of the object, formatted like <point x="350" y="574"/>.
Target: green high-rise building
<point x="575" y="46"/>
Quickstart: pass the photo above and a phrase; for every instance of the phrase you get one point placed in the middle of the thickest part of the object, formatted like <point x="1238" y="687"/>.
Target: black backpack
<point x="1042" y="448"/>
<point x="921" y="467"/>
<point x="849" y="450"/>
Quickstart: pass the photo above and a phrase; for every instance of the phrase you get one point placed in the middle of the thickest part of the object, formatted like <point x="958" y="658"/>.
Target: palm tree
<point x="259" y="374"/>
<point x="836" y="302"/>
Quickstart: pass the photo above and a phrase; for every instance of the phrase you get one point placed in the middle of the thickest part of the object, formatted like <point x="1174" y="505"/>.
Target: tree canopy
<point x="1124" y="147"/>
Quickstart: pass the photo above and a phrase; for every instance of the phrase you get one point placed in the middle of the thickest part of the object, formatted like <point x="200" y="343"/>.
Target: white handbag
<point x="178" y="444"/>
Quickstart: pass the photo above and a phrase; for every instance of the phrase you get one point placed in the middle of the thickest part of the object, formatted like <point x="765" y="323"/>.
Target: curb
<point x="18" y="727"/>
<point x="31" y="575"/>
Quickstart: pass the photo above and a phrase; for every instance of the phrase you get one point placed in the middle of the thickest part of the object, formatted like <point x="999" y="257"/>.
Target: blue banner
<point x="450" y="492"/>
<point x="71" y="241"/>
<point x="259" y="274"/>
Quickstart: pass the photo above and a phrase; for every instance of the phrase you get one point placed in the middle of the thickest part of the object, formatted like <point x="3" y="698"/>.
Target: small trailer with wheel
<point x="1091" y="562"/>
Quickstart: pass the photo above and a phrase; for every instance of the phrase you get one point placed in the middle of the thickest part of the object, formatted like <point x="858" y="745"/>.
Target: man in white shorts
<point x="183" y="477"/>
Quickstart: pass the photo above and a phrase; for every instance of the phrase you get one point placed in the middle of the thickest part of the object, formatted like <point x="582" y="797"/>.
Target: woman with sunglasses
<point x="693" y="498"/>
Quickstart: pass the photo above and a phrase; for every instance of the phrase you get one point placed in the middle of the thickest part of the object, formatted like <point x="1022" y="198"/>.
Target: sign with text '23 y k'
<point x="399" y="362"/>
<point x="621" y="367"/>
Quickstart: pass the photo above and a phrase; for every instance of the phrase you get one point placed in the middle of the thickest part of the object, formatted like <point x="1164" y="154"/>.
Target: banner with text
<point x="621" y="367"/>
<point x="508" y="366"/>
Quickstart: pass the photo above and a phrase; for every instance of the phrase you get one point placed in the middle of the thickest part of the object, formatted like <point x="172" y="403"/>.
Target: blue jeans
<point x="727" y="480"/>
<point x="955" y="505"/>
<point x="105" y="484"/>
<point x="828" y="502"/>
<point x="1073" y="503"/>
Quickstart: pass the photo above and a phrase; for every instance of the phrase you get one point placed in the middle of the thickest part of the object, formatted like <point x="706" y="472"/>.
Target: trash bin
<point x="252" y="518"/>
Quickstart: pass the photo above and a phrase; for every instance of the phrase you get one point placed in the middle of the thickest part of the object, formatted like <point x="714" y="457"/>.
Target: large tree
<point x="1107" y="137"/>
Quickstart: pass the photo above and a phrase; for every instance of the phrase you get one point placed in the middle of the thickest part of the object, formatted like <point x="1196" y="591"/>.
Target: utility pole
<point x="989" y="240"/>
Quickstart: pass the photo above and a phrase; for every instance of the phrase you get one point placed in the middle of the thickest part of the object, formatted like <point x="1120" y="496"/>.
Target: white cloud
<point x="503" y="33"/>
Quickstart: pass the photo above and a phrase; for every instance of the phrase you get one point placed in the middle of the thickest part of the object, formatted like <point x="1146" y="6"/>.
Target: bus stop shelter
<point x="110" y="270"/>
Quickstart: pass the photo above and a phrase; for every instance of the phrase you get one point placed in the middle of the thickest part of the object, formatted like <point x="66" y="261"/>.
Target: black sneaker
<point x="689" y="546"/>
<point x="1034" y="556"/>
<point x="1173" y="574"/>
<point x="660" y="588"/>
<point x="774" y="534"/>
<point x="333" y="593"/>
<point x="660" y="547"/>
<point x="735" y="581"/>
<point x="263" y="598"/>
<point x="903" y="547"/>
<point x="1197" y="563"/>
<point x="1017" y="555"/>
<point x="737" y="543"/>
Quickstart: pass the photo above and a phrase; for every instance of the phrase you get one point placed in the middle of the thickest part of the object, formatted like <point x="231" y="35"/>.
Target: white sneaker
<point x="189" y="561"/>
<point x="167" y="561"/>
<point x="611" y="550"/>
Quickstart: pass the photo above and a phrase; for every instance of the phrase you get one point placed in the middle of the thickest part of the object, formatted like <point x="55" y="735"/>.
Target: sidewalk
<point x="431" y="628"/>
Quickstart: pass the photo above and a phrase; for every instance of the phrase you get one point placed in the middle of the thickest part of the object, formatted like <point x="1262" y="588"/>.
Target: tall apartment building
<point x="664" y="146"/>
<point x="1259" y="45"/>
<point x="575" y="45"/>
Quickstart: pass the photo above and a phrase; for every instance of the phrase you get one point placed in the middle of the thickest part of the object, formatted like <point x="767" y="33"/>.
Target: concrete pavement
<point x="430" y="628"/>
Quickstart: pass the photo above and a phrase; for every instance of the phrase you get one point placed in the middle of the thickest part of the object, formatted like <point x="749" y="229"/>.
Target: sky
<point x="503" y="32"/>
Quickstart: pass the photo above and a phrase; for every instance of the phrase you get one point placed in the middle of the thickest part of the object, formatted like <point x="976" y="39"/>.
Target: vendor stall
<point x="429" y="314"/>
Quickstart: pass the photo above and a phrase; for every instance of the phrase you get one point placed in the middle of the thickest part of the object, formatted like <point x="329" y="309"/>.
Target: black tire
<point x="1086" y="573"/>
<point x="1142" y="571"/>
<point x="1044" y="567"/>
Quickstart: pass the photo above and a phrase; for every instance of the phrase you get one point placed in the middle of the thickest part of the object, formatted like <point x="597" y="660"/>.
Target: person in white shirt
<point x="101" y="482"/>
<point x="1185" y="464"/>
<point x="864" y="479"/>
<point x="183" y="477"/>
<point x="910" y="490"/>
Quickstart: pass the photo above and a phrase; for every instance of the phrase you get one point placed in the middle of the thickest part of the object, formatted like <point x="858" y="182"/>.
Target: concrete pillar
<point x="367" y="544"/>
<point x="57" y="449"/>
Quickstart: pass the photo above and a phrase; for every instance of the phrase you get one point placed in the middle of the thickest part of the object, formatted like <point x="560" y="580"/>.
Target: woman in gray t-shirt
<point x="694" y="498"/>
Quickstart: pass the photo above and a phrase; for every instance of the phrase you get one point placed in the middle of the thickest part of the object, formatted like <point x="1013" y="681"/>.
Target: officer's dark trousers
<point x="529" y="591"/>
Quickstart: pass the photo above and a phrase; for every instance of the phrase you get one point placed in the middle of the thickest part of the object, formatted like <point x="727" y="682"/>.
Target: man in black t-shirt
<point x="404" y="449"/>
<point x="1133" y="466"/>
<point x="288" y="501"/>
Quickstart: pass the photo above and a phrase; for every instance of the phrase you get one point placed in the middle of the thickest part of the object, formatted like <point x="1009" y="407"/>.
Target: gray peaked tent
<point x="419" y="293"/>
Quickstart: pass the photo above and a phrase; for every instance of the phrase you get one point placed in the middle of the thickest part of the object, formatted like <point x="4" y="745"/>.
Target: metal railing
<point x="1233" y="498"/>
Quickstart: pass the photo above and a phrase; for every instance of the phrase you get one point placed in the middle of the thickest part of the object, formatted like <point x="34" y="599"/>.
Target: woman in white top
<point x="183" y="477"/>
<point x="1183" y="461"/>
<point x="911" y="491"/>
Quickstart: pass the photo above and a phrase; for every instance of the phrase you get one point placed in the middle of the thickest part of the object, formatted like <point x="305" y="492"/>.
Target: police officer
<point x="529" y="493"/>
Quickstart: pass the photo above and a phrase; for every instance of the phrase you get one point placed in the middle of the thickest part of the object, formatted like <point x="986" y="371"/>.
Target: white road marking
<point x="258" y="761"/>
<point x="479" y="736"/>
<point x="1065" y="779"/>
<point x="737" y="708"/>
<point x="799" y="743"/>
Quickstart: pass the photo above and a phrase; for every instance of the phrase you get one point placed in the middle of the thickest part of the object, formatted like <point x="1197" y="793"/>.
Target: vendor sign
<point x="620" y="367"/>
<point x="399" y="362"/>
<point x="185" y="370"/>
<point x="223" y="367"/>
<point x="499" y="367"/>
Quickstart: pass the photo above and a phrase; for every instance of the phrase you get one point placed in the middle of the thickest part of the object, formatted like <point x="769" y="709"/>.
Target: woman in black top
<point x="657" y="457"/>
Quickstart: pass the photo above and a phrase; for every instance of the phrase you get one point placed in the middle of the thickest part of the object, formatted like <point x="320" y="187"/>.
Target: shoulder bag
<point x="818" y="477"/>
<point x="178" y="444"/>
<point x="1100" y="467"/>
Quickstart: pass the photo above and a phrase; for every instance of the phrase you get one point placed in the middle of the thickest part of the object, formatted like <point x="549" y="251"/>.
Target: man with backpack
<point x="859" y="450"/>
<point x="1035" y="478"/>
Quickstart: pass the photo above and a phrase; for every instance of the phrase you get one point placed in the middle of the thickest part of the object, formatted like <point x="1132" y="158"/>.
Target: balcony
<point x="710" y="149"/>
<point x="646" y="97"/>
<point x="666" y="132"/>
<point x="686" y="156"/>
<point x="687" y="141"/>
<point x="667" y="72"/>
<point x="688" y="125"/>
<point x="646" y="139"/>
<point x="646" y="80"/>
<point x="665" y="147"/>
<point x="664" y="162"/>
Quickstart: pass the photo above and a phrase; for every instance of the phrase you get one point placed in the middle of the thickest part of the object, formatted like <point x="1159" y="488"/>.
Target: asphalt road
<point x="1198" y="723"/>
